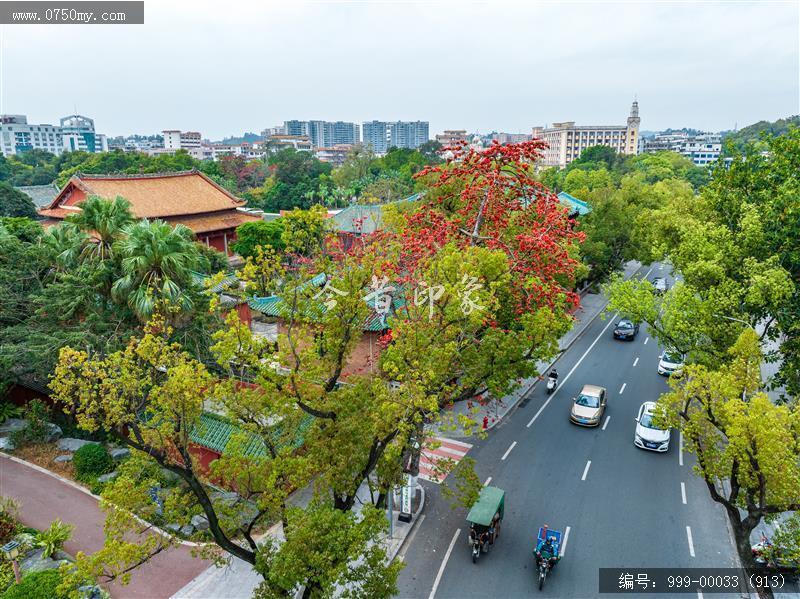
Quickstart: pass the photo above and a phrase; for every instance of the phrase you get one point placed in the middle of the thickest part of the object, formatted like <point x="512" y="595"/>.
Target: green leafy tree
<point x="746" y="446"/>
<point x="249" y="236"/>
<point x="15" y="203"/>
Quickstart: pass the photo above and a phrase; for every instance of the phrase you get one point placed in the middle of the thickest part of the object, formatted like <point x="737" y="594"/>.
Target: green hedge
<point x="36" y="585"/>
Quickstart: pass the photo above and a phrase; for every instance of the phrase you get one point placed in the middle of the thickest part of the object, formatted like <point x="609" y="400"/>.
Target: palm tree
<point x="66" y="241"/>
<point x="104" y="220"/>
<point x="157" y="261"/>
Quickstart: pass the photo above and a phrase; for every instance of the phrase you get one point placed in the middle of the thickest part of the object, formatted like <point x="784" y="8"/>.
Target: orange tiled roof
<point x="226" y="219"/>
<point x="151" y="196"/>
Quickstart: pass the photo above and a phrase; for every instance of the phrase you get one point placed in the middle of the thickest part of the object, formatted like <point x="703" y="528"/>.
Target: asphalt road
<point x="628" y="508"/>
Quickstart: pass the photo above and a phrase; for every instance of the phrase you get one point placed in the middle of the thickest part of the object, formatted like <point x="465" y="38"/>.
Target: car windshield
<point x="588" y="401"/>
<point x="625" y="324"/>
<point x="673" y="357"/>
<point x="647" y="422"/>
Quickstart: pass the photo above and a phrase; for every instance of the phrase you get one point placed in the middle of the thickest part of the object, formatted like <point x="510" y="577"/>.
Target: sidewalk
<point x="494" y="410"/>
<point x="238" y="579"/>
<point x="44" y="498"/>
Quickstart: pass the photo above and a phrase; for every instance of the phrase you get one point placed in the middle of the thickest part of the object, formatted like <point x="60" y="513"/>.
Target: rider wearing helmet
<point x="553" y="374"/>
<point x="545" y="550"/>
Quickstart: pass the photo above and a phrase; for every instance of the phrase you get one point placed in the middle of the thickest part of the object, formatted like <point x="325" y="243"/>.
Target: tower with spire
<point x="632" y="133"/>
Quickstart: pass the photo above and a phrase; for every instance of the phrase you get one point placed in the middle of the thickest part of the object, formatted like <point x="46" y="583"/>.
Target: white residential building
<point x="703" y="149"/>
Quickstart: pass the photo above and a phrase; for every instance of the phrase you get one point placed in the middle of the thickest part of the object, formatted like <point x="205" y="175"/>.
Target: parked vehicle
<point x="660" y="285"/>
<point x="766" y="556"/>
<point x="670" y="362"/>
<point x="484" y="520"/>
<point x="647" y="435"/>
<point x="590" y="405"/>
<point x="626" y="330"/>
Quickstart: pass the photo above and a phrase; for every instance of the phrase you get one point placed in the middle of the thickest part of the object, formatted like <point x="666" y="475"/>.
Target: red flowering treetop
<point x="490" y="198"/>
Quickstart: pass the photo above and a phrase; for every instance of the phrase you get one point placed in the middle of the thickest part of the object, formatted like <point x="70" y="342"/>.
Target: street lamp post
<point x="11" y="552"/>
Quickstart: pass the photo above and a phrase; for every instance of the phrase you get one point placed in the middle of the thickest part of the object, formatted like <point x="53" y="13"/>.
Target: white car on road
<point x="647" y="435"/>
<point x="670" y="362"/>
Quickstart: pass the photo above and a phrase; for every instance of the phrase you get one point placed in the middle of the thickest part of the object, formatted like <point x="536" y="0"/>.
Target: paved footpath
<point x="44" y="498"/>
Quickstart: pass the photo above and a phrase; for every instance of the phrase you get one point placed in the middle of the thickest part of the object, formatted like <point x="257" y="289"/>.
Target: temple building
<point x="189" y="198"/>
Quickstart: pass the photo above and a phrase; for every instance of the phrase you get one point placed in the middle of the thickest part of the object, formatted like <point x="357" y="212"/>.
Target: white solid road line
<point x="488" y="480"/>
<point x="636" y="361"/>
<point x="444" y="563"/>
<point x="622" y="388"/>
<point x="680" y="448"/>
<point x="605" y="424"/>
<point x="569" y="374"/>
<point x="564" y="542"/>
<point x="646" y="339"/>
<point x="508" y="451"/>
<point x="683" y="493"/>
<point x="689" y="537"/>
<point x="586" y="470"/>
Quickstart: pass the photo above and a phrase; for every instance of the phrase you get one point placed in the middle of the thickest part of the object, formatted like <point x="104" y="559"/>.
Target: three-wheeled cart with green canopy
<point x="484" y="520"/>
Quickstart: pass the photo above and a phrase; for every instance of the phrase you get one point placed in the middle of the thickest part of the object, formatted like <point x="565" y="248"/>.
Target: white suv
<point x="670" y="362"/>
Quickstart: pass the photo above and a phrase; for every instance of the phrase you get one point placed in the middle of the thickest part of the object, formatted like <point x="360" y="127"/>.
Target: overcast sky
<point x="224" y="67"/>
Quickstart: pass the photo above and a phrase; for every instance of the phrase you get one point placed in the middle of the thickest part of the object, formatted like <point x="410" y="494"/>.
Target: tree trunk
<point x="741" y="534"/>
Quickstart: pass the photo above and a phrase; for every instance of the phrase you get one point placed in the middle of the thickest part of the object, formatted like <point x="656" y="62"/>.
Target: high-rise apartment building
<point x="566" y="141"/>
<point x="324" y="134"/>
<point x="382" y="135"/>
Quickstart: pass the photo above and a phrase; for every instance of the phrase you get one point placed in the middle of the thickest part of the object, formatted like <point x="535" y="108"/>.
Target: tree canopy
<point x="15" y="203"/>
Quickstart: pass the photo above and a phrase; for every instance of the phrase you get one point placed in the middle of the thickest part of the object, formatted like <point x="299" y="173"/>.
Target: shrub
<point x="6" y="575"/>
<point x="9" y="512"/>
<point x="8" y="410"/>
<point x="91" y="461"/>
<point x="37" y="415"/>
<point x="36" y="585"/>
<point x="53" y="539"/>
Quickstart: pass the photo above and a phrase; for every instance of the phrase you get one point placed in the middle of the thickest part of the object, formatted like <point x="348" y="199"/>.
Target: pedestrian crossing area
<point x="439" y="456"/>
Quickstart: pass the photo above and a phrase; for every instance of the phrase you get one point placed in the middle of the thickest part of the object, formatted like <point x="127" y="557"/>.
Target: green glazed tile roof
<point x="214" y="432"/>
<point x="363" y="219"/>
<point x="574" y="204"/>
<point x="226" y="283"/>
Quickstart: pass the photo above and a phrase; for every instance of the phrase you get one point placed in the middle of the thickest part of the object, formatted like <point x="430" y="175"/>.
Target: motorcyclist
<point x="545" y="550"/>
<point x="474" y="535"/>
<point x="553" y="374"/>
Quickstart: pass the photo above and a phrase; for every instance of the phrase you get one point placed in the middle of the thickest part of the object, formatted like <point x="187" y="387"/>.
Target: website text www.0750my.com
<point x="78" y="12"/>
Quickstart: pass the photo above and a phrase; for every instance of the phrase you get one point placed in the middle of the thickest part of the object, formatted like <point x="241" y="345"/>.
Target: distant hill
<point x="247" y="137"/>
<point x="752" y="133"/>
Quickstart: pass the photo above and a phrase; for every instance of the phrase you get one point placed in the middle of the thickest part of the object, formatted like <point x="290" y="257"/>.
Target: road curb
<point x="413" y="526"/>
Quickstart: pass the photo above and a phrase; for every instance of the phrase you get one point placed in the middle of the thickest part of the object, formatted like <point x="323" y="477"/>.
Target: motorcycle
<point x="544" y="568"/>
<point x="552" y="381"/>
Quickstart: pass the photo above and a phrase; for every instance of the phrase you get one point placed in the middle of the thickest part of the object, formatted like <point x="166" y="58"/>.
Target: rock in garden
<point x="200" y="522"/>
<point x="169" y="476"/>
<point x="54" y="432"/>
<point x="67" y="457"/>
<point x="12" y="425"/>
<point x="120" y="453"/>
<point x="35" y="562"/>
<point x="187" y="530"/>
<point x="107" y="477"/>
<point x="70" y="444"/>
<point x="6" y="444"/>
<point x="90" y="592"/>
<point x="174" y="527"/>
